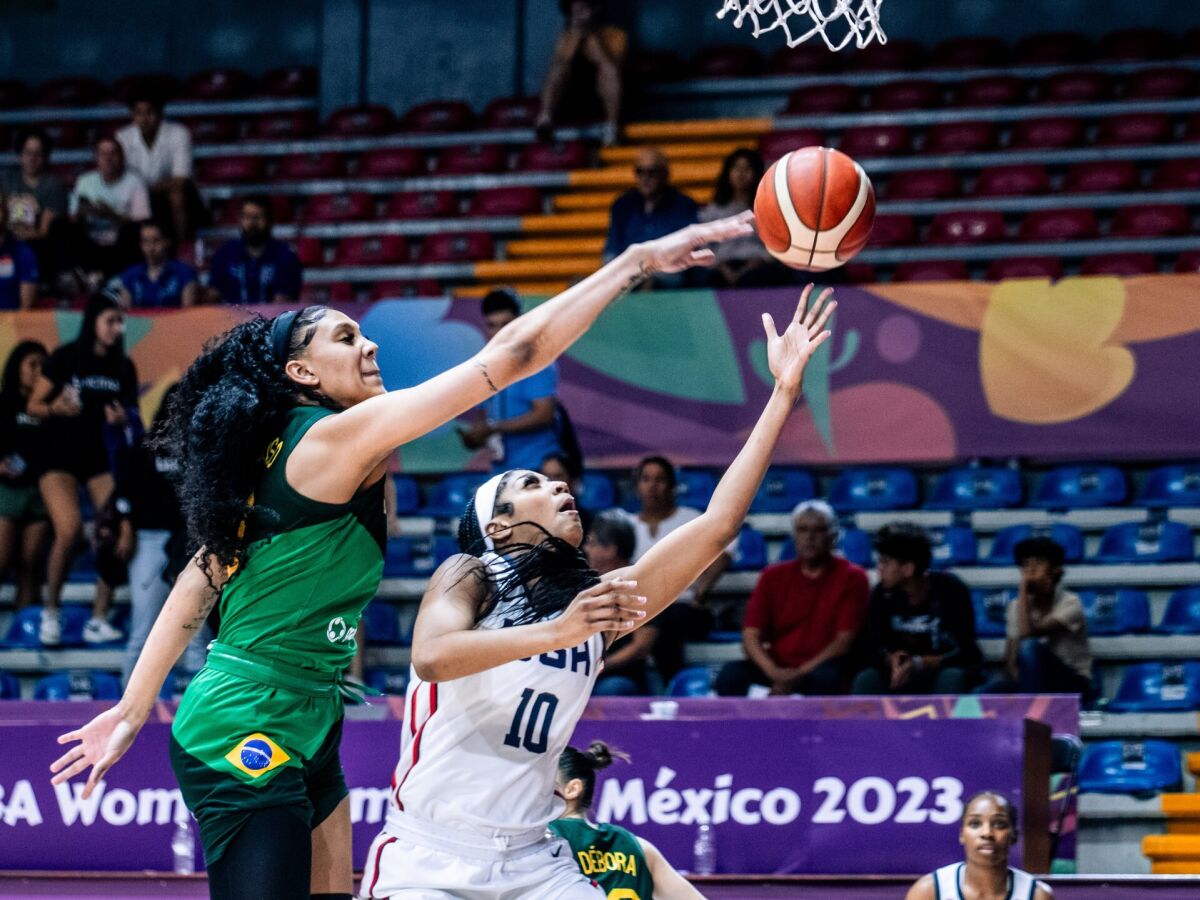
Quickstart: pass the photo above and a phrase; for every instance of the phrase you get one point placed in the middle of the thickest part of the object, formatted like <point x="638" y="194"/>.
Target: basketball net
<point x="861" y="24"/>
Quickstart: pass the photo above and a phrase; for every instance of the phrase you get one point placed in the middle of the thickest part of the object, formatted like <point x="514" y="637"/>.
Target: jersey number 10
<point x="540" y="713"/>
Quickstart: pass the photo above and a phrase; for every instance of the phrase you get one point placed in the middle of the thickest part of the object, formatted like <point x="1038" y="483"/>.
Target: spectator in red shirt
<point x="803" y="615"/>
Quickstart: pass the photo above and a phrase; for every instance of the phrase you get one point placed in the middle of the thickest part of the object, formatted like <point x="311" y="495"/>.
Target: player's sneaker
<point x="99" y="631"/>
<point x="50" y="628"/>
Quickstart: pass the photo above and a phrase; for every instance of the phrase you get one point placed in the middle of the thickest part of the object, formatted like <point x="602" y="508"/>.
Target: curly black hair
<point x="226" y="408"/>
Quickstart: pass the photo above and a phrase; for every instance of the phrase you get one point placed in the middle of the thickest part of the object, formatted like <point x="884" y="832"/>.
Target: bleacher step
<point x="1193" y="763"/>
<point x="573" y="246"/>
<point x="514" y="269"/>
<point x="697" y="129"/>
<point x="690" y="173"/>
<point x="688" y="150"/>
<point x="524" y="288"/>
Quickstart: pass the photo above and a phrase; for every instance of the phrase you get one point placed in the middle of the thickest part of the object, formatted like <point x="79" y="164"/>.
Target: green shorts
<point x="21" y="504"/>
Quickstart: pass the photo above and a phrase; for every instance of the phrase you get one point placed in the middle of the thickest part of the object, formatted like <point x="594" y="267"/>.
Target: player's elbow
<point x="429" y="663"/>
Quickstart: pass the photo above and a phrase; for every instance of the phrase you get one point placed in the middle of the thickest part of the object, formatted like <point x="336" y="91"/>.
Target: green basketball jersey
<point x="610" y="856"/>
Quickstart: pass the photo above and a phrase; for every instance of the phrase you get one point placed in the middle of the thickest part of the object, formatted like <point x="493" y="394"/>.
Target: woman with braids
<point x="508" y="642"/>
<point x="625" y="866"/>
<point x="283" y="431"/>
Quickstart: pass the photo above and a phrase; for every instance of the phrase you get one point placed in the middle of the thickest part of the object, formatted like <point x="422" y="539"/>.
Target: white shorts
<point x="417" y="860"/>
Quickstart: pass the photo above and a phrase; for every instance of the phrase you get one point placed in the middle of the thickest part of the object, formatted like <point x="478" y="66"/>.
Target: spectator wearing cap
<point x="1046" y="651"/>
<point x="18" y="267"/>
<point x="106" y="205"/>
<point x="160" y="153"/>
<point x="920" y="631"/>
<point x="803" y="616"/>
<point x="518" y="424"/>
<point x="651" y="209"/>
<point x="254" y="268"/>
<point x="159" y="281"/>
<point x="37" y="202"/>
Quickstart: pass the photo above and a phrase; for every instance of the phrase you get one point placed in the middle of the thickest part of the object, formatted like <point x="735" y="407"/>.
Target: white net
<point x="846" y="21"/>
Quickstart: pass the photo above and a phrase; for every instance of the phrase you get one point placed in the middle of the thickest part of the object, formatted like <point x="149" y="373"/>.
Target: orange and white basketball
<point x="814" y="208"/>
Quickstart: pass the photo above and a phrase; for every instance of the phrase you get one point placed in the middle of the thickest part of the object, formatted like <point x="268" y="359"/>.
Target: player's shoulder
<point x="924" y="888"/>
<point x="1043" y="891"/>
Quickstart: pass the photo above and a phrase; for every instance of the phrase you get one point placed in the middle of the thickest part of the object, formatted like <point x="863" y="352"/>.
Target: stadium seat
<point x="408" y="495"/>
<point x="1046" y="134"/>
<point x="1051" y="48"/>
<point x="1059" y="225"/>
<point x="731" y="61"/>
<point x="894" y="56"/>
<point x="449" y="248"/>
<point x="450" y="495"/>
<point x="439" y="115"/>
<point x="212" y="129"/>
<point x="65" y="135"/>
<point x="923" y="184"/>
<point x="1071" y="487"/>
<point x="947" y="138"/>
<point x="1122" y="265"/>
<point x="932" y="270"/>
<point x="1151" y="220"/>
<point x="1137" y="44"/>
<point x="289" y="126"/>
<point x="13" y="93"/>
<point x="991" y="611"/>
<point x="554" y="157"/>
<point x="1146" y="542"/>
<point x="648" y="66"/>
<point x="893" y="96"/>
<point x="392" y="162"/>
<point x="1076" y="86"/>
<point x="966" y="226"/>
<point x="1161" y="83"/>
<point x="781" y="490"/>
<point x="289" y="81"/>
<point x="953" y="546"/>
<point x="991" y="90"/>
<point x="392" y="682"/>
<point x="10" y="688"/>
<point x="692" y="682"/>
<point x="341" y="207"/>
<point x="310" y="166"/>
<point x="218" y="84"/>
<point x="968" y="53"/>
<point x="1177" y="174"/>
<point x="1182" y="615"/>
<point x="361" y="121"/>
<point x="1069" y="537"/>
<point x="892" y="230"/>
<point x="1011" y="181"/>
<point x="327" y="292"/>
<point x="309" y="250"/>
<point x="873" y="489"/>
<point x="379" y="622"/>
<point x="751" y="554"/>
<point x="512" y="112"/>
<point x="822" y="99"/>
<point x="175" y="684"/>
<point x="595" y="491"/>
<point x="1125" y="767"/>
<point x="977" y="488"/>
<point x="417" y="557"/>
<point x="371" y="250"/>
<point x="77" y="686"/>
<point x="74" y="91"/>
<point x="1188" y="262"/>
<point x="1177" y="485"/>
<point x="805" y="59"/>
<point x="422" y="205"/>
<point x="1158" y="687"/>
<point x="1120" y="611"/>
<point x="1106" y="176"/>
<point x="1132" y="129"/>
<point x="694" y="487"/>
<point x="774" y="145"/>
<point x="23" y="630"/>
<point x="855" y="545"/>
<point x="518" y="200"/>
<point x="875" y="140"/>
<point x="1025" y="267"/>
<point x="237" y="169"/>
<point x="472" y="159"/>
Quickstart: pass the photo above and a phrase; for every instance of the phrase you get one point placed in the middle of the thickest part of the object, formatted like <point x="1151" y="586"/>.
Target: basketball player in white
<point x="508" y="642"/>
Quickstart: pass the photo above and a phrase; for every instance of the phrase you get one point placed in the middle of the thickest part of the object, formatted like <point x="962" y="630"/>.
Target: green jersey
<point x="610" y="856"/>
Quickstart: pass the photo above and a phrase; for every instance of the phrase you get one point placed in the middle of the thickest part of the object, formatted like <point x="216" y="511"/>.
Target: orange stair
<point x="684" y="174"/>
<point x="524" y="288"/>
<point x="674" y="152"/>
<point x="574" y="246"/>
<point x="698" y="129"/>
<point x="595" y="222"/>
<point x="1193" y="763"/>
<point x="510" y="270"/>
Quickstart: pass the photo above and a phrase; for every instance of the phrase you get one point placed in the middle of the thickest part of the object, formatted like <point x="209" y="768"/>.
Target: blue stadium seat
<point x="977" y="488"/>
<point x="74" y="617"/>
<point x="854" y="544"/>
<point x="77" y="686"/>
<point x="1072" y="487"/>
<point x="953" y="546"/>
<point x="1182" y="615"/>
<point x="450" y="495"/>
<point x="693" y="682"/>
<point x="23" y="631"/>
<point x="1006" y="540"/>
<point x="991" y="608"/>
<point x="1144" y="542"/>
<point x="397" y="559"/>
<point x="781" y="490"/>
<point x="10" y="688"/>
<point x="751" y="551"/>
<point x="417" y="557"/>
<point x="695" y="488"/>
<point x="1158" y="687"/>
<point x="1121" y="767"/>
<point x="175" y="684"/>
<point x="388" y="681"/>
<point x="725" y="637"/>
<point x="874" y="489"/>
<point x="381" y="623"/>
<point x="1119" y="611"/>
<point x="595" y="491"/>
<point x="408" y="495"/>
<point x="1172" y="486"/>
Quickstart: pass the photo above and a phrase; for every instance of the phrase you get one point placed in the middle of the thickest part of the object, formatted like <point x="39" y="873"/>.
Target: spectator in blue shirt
<point x="255" y="268"/>
<point x="519" y="423"/>
<point x="18" y="267"/>
<point x="650" y="210"/>
<point x="159" y="281"/>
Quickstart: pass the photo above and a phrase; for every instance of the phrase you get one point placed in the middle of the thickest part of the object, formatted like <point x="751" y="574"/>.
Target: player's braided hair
<point x="226" y="409"/>
<point x="584" y="765"/>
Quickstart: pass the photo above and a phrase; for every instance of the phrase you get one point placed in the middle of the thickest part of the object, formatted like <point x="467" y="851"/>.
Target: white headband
<point x="485" y="506"/>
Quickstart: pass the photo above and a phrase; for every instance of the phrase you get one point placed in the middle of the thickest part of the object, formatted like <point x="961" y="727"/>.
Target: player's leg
<point x="267" y="859"/>
<point x="332" y="872"/>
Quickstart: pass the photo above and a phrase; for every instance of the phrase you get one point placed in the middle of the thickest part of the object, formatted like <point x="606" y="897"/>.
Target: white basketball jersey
<point x="480" y="753"/>
<point x="947" y="881"/>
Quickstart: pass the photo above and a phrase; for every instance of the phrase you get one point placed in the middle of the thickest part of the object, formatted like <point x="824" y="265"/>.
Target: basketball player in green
<point x="284" y="431"/>
<point x="626" y="866"/>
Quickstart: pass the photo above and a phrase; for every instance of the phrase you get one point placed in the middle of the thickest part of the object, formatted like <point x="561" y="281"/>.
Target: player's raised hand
<point x="788" y="353"/>
<point x="688" y="246"/>
<point x="613" y="605"/>
<point x="101" y="742"/>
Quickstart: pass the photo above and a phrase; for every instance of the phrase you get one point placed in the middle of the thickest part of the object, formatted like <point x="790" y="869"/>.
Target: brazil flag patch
<point x="256" y="755"/>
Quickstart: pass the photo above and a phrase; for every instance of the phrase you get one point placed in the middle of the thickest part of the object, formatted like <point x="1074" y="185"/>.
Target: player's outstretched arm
<point x="668" y="884"/>
<point x="674" y="562"/>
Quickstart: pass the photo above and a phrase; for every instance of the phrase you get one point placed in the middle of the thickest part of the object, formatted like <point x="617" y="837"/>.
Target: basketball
<point x="814" y="208"/>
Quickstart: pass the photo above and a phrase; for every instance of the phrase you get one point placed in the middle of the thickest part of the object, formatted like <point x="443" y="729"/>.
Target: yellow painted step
<point x="690" y="150"/>
<point x="524" y="288"/>
<point x="684" y="174"/>
<point x="1172" y="848"/>
<point x="1175" y="868"/>
<point x="1193" y="763"/>
<point x="699" y="129"/>
<point x="588" y="201"/>
<point x="1181" y="805"/>
<point x="543" y="268"/>
<point x="1183" y="826"/>
<point x="567" y="223"/>
<point x="574" y="246"/>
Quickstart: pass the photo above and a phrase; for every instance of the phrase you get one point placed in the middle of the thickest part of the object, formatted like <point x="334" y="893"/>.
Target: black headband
<point x="281" y="335"/>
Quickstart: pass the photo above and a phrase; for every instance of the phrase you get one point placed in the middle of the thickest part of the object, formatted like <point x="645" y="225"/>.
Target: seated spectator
<point x="518" y="424"/>
<point x="743" y="261"/>
<point x="37" y="203"/>
<point x="803" y="616"/>
<point x="160" y="153"/>
<point x="1047" y="647"/>
<point x="106" y="205"/>
<point x="161" y="280"/>
<point x="920" y="631"/>
<point x="588" y="57"/>
<point x="18" y="267"/>
<point x="255" y="268"/>
<point x="650" y="210"/>
<point x="609" y="546"/>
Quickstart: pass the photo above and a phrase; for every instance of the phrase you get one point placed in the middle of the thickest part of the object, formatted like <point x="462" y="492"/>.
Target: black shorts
<point x="81" y="455"/>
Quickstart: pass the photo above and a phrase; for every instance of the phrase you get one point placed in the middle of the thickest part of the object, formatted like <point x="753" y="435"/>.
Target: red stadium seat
<point x="65" y="135"/>
<point x="473" y="159"/>
<point x="439" y="115"/>
<point x="932" y="270"/>
<point x="371" y="250"/>
<point x="70" y="92"/>
<point x="961" y="137"/>
<point x="392" y="162"/>
<point x="822" y="98"/>
<point x="506" y="201"/>
<point x="165" y="85"/>
<point x="14" y="93"/>
<point x="732" y="61"/>
<point x="218" y="84"/>
<point x="387" y="290"/>
<point x="1133" y="129"/>
<point x="1151" y="220"/>
<point x="290" y="81"/>
<point x="1025" y="267"/>
<point x="966" y="226"/>
<point x="1178" y="174"/>
<point x="554" y="157"/>
<point x="422" y="205"/>
<point x="650" y="66"/>
<point x="923" y="184"/>
<point x="991" y="90"/>
<point x="1151" y="84"/>
<point x="327" y="293"/>
<point x="1046" y="134"/>
<point x="309" y="251"/>
<point x="1081" y="86"/>
<point x="1052" y="48"/>
<point x="1191" y="130"/>
<point x="1137" y="44"/>
<point x="806" y="59"/>
<point x="860" y="273"/>
<point x="371" y="119"/>
<point x="774" y="145"/>
<point x="310" y="166"/>
<point x="285" y="126"/>
<point x="231" y="168"/>
<point x="213" y="129"/>
<point x="899" y="95"/>
<point x="895" y="55"/>
<point x="450" y="248"/>
<point x="891" y="230"/>
<point x="1123" y="265"/>
<point x="875" y="140"/>
<point x="341" y="207"/>
<point x="1059" y="225"/>
<point x="968" y="53"/>
<point x="1101" y="177"/>
<point x="512" y="112"/>
<point x="1188" y="262"/>
<point x="1012" y="181"/>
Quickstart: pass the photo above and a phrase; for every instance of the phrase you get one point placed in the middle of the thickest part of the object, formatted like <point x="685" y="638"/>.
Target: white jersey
<point x="480" y="753"/>
<point x="947" y="882"/>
